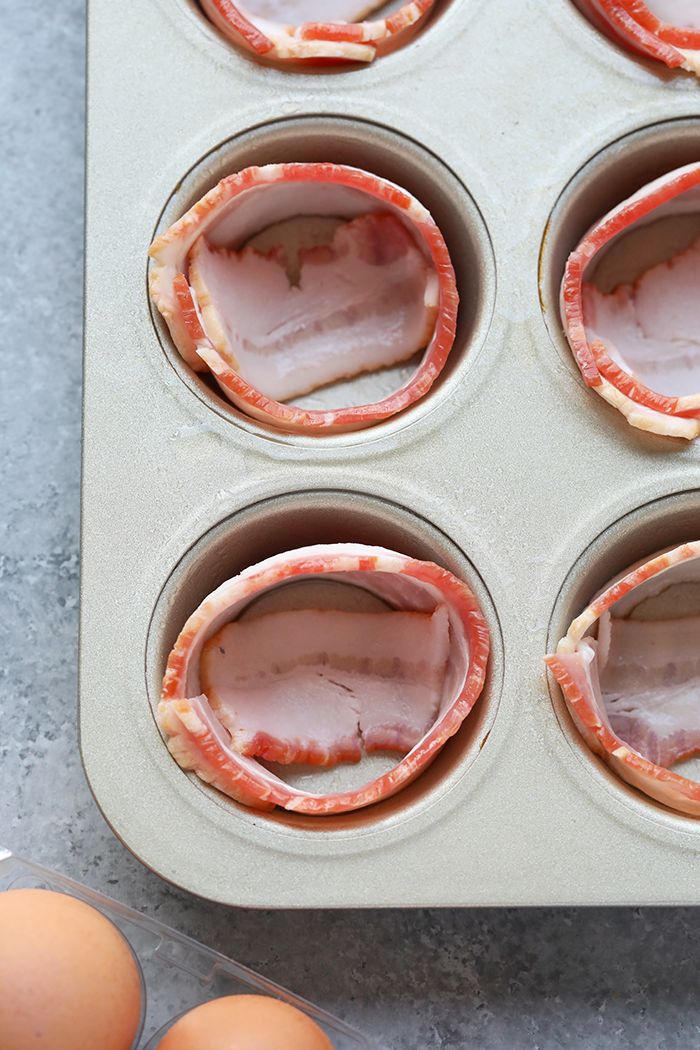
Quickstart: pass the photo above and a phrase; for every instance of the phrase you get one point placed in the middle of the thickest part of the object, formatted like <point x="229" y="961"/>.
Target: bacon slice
<point x="632" y="684"/>
<point x="402" y="680"/>
<point x="651" y="328"/>
<point x="381" y="290"/>
<point x="666" y="30"/>
<point x="366" y="301"/>
<point x="313" y="685"/>
<point x="638" y="346"/>
<point x="317" y="30"/>
<point x="650" y="683"/>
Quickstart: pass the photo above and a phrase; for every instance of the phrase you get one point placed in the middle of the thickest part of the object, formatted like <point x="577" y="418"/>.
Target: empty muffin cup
<point x="284" y="280"/>
<point x="318" y="31"/>
<point x="629" y="670"/>
<point x="667" y="31"/>
<point x="631" y="308"/>
<point x="375" y="653"/>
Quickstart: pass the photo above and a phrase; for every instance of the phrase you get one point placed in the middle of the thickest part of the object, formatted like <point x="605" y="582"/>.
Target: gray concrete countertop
<point x="413" y="980"/>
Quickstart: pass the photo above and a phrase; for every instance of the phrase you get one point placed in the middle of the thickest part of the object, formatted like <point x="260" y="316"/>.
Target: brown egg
<point x="245" y="1022"/>
<point x="68" y="978"/>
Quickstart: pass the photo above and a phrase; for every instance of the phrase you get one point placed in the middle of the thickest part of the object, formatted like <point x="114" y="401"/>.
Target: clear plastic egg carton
<point x="178" y="972"/>
<point x="517" y="125"/>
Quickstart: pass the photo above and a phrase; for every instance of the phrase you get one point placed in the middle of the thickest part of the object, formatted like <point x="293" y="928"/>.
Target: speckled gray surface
<point x="494" y="979"/>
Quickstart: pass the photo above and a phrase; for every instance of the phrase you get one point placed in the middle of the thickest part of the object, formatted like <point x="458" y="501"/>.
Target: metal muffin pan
<point x="517" y="124"/>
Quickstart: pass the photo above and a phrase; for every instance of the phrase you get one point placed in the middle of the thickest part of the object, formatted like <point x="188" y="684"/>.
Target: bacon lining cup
<point x="638" y="347"/>
<point x="629" y="670"/>
<point x="320" y="31"/>
<point x="323" y="686"/>
<point x="365" y="283"/>
<point x="665" y="30"/>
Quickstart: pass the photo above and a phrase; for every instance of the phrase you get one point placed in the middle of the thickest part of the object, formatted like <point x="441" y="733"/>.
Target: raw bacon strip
<point x="313" y="685"/>
<point x="634" y="690"/>
<point x="317" y="30"/>
<point x="366" y="301"/>
<point x="650" y="683"/>
<point x="652" y="327"/>
<point x="199" y="740"/>
<point x="386" y="232"/>
<point x="184" y="324"/>
<point x="644" y="325"/>
<point x="666" y="30"/>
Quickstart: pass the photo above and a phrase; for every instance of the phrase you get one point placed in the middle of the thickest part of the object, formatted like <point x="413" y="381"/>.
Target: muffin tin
<point x="177" y="972"/>
<point x="517" y="126"/>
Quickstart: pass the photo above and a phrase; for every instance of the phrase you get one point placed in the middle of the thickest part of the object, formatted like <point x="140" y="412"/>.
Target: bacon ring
<point x="270" y="328"/>
<point x="321" y="686"/>
<point x="647" y="332"/>
<point x="666" y="30"/>
<point x="316" y="30"/>
<point x="631" y="680"/>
